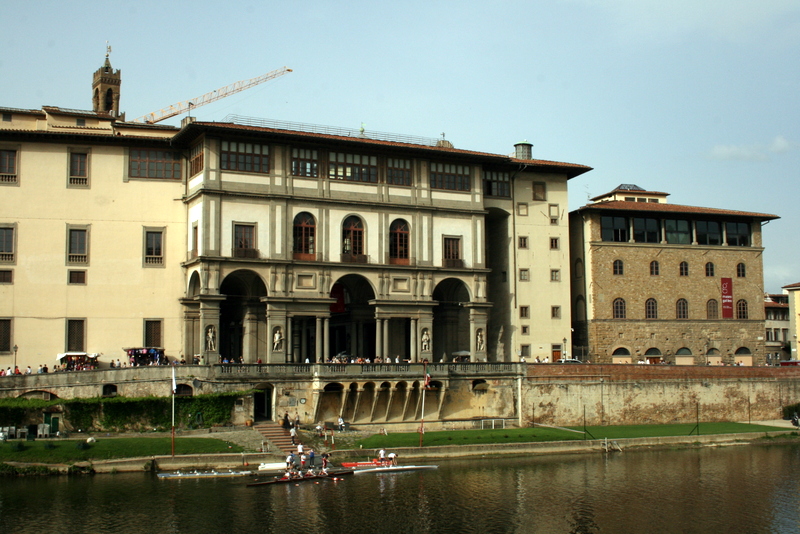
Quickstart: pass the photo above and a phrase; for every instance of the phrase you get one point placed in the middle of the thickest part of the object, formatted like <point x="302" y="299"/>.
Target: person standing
<point x="341" y="424"/>
<point x="311" y="458"/>
<point x="382" y="456"/>
<point x="393" y="458"/>
<point x="293" y="434"/>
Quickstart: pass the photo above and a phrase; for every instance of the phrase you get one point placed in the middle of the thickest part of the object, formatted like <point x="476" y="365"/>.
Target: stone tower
<point x="106" y="88"/>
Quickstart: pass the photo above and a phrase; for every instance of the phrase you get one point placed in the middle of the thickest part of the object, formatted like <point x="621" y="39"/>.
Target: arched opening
<point x="109" y="390"/>
<point x="352" y="320"/>
<point x="653" y="356"/>
<point x="451" y="328"/>
<point x="621" y="355"/>
<point x="329" y="405"/>
<point x="184" y="390"/>
<point x="243" y="290"/>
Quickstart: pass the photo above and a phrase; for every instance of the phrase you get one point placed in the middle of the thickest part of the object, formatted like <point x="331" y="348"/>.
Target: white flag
<point x="174" y="386"/>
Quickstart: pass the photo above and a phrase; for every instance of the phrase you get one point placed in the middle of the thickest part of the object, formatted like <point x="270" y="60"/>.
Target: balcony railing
<point x="354" y="258"/>
<point x="454" y="263"/>
<point x="8" y="178"/>
<point x="78" y="258"/>
<point x="245" y="253"/>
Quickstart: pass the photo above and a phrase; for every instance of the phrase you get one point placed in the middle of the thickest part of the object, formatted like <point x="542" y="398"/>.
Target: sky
<point x="698" y="99"/>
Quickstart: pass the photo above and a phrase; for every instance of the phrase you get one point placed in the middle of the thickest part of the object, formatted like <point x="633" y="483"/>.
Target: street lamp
<point x="16" y="348"/>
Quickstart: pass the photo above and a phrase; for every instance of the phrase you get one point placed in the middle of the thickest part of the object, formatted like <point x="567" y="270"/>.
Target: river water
<point x="748" y="489"/>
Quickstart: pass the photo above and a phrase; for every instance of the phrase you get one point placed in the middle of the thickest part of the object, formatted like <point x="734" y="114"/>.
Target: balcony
<point x="8" y="178"/>
<point x="77" y="259"/>
<point x="451" y="263"/>
<point x="354" y="258"/>
<point x="245" y="253"/>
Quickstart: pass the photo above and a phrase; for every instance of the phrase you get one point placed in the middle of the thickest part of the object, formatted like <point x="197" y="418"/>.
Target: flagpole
<point x="424" y="388"/>
<point x="173" y="411"/>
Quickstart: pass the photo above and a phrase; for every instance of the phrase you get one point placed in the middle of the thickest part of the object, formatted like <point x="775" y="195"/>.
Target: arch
<point x="742" y="351"/>
<point x="109" y="390"/>
<point x="651" y="309"/>
<point x="652" y="351"/>
<point x="479" y="384"/>
<point x="399" y="242"/>
<point x="618" y="268"/>
<point x="304" y="233"/>
<point x="451" y="318"/>
<point x="683" y="351"/>
<point x="184" y="390"/>
<point x="579" y="268"/>
<point x="352" y="320"/>
<point x="108" y="102"/>
<point x="195" y="285"/>
<point x="243" y="290"/>
<point x="741" y="309"/>
<point x="352" y="237"/>
<point x="712" y="352"/>
<point x="619" y="309"/>
<point x="682" y="309"/>
<point x="579" y="310"/>
<point x="621" y="351"/>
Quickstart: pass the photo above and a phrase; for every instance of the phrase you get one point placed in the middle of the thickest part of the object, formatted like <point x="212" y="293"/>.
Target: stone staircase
<point x="278" y="438"/>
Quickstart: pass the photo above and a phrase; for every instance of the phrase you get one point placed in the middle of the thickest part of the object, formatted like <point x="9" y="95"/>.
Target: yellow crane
<point x="187" y="105"/>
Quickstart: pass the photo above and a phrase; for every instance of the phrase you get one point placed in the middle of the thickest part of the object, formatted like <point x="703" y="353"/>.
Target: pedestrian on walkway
<point x="293" y="434"/>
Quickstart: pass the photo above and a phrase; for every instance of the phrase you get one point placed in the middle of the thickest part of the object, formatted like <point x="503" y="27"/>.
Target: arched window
<point x="741" y="271"/>
<point x="741" y="309"/>
<point x="304" y="236"/>
<point x="712" y="309"/>
<point x="682" y="309"/>
<point x="651" y="309"/>
<point x="655" y="269"/>
<point x="353" y="236"/>
<point x="398" y="242"/>
<point x="622" y="351"/>
<point x="709" y="269"/>
<point x="683" y="351"/>
<point x="619" y="309"/>
<point x="619" y="267"/>
<point x="684" y="269"/>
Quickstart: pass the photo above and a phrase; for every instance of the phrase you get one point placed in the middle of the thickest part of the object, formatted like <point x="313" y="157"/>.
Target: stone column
<point x="414" y="356"/>
<point x="326" y="339"/>
<point x="378" y="338"/>
<point x="289" y="340"/>
<point x="385" y="351"/>
<point x="303" y="340"/>
<point x="318" y="340"/>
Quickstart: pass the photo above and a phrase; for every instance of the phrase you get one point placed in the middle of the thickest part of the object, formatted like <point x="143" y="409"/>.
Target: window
<point x="452" y="252"/>
<point x="646" y="230"/>
<point x="496" y="184"/>
<point x="651" y="309"/>
<point x="154" y="164"/>
<point x="304" y="162"/>
<point x="80" y="122"/>
<point x="619" y="309"/>
<point x="614" y="229"/>
<point x="712" y="309"/>
<point x="76" y="335"/>
<point x="6" y="276"/>
<point x="246" y="157"/>
<point x="524" y="312"/>
<point x="655" y="268"/>
<point x="683" y="269"/>
<point x="555" y="275"/>
<point x="6" y="117"/>
<point x="450" y="177"/>
<point x="8" y="166"/>
<point x="554" y="213"/>
<point x="398" y="171"/>
<point x="539" y="191"/>
<point x="77" y="246"/>
<point x="152" y="333"/>
<point x="304" y="232"/>
<point x="244" y="241"/>
<point x="153" y="246"/>
<point x="76" y="277"/>
<point x="526" y="330"/>
<point x="195" y="240"/>
<point x="741" y="309"/>
<point x="524" y="275"/>
<point x="619" y="267"/>
<point x="741" y="270"/>
<point x="524" y="351"/>
<point x="522" y="209"/>
<point x="78" y="169"/>
<point x="555" y="312"/>
<point x="709" y="269"/>
<point x="196" y="159"/>
<point x="522" y="241"/>
<point x="352" y="167"/>
<point x="352" y="239"/>
<point x="682" y="309"/>
<point x="5" y="335"/>
<point x="709" y="233"/>
<point x="555" y="243"/>
<point x="738" y="234"/>
<point x="398" y="242"/>
<point x="679" y="232"/>
<point x="7" y="244"/>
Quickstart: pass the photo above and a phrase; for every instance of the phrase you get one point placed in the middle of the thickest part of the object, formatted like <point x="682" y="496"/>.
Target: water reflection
<point x="731" y="489"/>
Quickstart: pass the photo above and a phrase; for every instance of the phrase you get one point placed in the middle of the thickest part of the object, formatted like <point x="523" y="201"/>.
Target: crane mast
<point x="187" y="105"/>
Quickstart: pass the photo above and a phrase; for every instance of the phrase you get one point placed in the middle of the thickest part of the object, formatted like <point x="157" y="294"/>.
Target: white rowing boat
<point x="394" y="469"/>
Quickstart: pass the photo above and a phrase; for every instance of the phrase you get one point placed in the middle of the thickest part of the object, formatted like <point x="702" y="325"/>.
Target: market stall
<point x="138" y="356"/>
<point x="78" y="361"/>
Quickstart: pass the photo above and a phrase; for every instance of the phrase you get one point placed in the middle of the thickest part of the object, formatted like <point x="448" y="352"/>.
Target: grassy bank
<point x="70" y="451"/>
<point x="539" y="434"/>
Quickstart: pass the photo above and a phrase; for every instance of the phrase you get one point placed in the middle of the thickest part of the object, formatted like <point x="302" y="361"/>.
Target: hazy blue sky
<point x="697" y="98"/>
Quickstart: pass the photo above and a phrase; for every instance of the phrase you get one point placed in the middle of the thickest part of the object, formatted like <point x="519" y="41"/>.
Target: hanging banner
<point x="727" y="298"/>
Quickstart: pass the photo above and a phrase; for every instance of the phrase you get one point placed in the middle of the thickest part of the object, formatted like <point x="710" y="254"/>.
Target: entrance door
<point x="52" y="420"/>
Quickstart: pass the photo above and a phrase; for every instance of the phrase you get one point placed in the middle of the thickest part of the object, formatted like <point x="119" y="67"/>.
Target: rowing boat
<point x="205" y="474"/>
<point x="334" y="475"/>
<point x="394" y="469"/>
<point x="356" y="465"/>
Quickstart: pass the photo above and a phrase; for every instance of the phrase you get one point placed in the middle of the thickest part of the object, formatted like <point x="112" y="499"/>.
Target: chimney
<point x="523" y="150"/>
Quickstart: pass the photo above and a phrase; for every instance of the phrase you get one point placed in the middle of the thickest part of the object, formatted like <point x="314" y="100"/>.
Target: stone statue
<point x="426" y="341"/>
<point x="277" y="339"/>
<point x="480" y="345"/>
<point x="211" y="339"/>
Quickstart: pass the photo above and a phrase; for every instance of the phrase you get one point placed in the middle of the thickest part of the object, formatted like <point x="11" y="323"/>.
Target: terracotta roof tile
<point x="658" y="207"/>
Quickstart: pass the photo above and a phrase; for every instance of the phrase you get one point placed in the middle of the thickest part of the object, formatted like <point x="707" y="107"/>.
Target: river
<point x="748" y="489"/>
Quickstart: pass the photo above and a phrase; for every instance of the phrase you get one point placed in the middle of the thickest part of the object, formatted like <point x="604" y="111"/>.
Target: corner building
<point x="655" y="282"/>
<point x="252" y="241"/>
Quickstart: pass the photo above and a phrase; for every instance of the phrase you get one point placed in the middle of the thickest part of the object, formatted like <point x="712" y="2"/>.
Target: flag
<point x="174" y="385"/>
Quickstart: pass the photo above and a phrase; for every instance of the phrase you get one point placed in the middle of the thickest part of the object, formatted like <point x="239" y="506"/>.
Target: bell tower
<point x="106" y="88"/>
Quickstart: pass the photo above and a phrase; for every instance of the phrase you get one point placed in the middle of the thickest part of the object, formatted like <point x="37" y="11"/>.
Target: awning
<point x="84" y="354"/>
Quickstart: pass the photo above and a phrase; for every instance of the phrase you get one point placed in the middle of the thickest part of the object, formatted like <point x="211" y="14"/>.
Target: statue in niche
<point x="211" y="338"/>
<point x="479" y="341"/>
<point x="277" y="339"/>
<point x="426" y="341"/>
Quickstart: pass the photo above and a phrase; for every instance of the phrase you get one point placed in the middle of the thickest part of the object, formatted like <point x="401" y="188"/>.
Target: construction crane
<point x="187" y="105"/>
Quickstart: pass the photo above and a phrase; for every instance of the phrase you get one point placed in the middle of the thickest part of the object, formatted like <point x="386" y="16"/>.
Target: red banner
<point x="727" y="298"/>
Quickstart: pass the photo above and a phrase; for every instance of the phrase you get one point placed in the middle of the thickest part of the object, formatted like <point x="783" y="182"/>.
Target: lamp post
<point x="16" y="348"/>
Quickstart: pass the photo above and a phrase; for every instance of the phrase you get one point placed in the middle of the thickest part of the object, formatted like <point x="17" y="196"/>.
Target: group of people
<point x="28" y="371"/>
<point x="303" y="465"/>
<point x="386" y="460"/>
